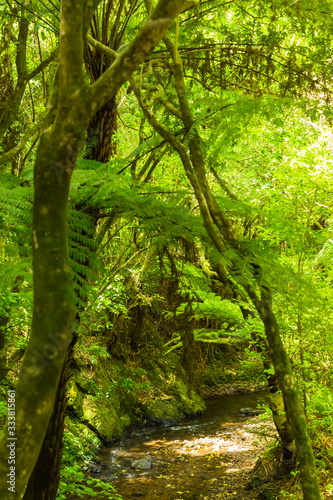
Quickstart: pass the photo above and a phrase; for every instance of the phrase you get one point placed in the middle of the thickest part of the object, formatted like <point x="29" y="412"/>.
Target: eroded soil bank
<point x="205" y="457"/>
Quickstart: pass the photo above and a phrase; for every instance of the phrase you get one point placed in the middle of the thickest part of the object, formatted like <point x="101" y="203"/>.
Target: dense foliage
<point x="201" y="192"/>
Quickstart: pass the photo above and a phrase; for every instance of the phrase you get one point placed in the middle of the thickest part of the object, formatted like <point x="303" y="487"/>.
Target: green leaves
<point x="74" y="483"/>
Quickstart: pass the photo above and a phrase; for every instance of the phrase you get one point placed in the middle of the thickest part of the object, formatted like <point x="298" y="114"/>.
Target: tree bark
<point x="73" y="104"/>
<point x="189" y="359"/>
<point x="53" y="311"/>
<point x="44" y="480"/>
<point x="277" y="404"/>
<point x="101" y="133"/>
<point x="293" y="400"/>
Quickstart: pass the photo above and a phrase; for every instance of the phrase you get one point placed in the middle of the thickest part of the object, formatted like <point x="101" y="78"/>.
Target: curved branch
<point x="136" y="52"/>
<point x="21" y="144"/>
<point x="111" y="54"/>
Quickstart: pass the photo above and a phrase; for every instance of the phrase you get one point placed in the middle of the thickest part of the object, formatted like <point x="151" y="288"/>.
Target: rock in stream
<point x="143" y="463"/>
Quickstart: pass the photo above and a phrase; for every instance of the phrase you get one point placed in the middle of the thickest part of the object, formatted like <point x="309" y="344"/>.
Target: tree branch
<point x="9" y="155"/>
<point x="42" y="65"/>
<point x="111" y="54"/>
<point x="137" y="51"/>
<point x="21" y="51"/>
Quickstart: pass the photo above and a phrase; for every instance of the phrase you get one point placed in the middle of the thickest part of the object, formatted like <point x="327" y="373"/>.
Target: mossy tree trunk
<point x="103" y="126"/>
<point x="277" y="404"/>
<point x="9" y="107"/>
<point x="72" y="106"/>
<point x="45" y="478"/>
<point x="189" y="358"/>
<point x="293" y="400"/>
<point x="101" y="133"/>
<point x="222" y="236"/>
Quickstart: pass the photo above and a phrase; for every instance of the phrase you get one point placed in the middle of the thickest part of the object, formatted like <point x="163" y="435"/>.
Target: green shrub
<point x="73" y="482"/>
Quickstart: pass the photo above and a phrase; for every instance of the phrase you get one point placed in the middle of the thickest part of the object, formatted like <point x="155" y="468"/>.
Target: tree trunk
<point x="293" y="401"/>
<point x="53" y="311"/>
<point x="277" y="404"/>
<point x="73" y="104"/>
<point x="48" y="465"/>
<point x="10" y="106"/>
<point x="189" y="356"/>
<point x="189" y="362"/>
<point x="45" y="478"/>
<point x="101" y="133"/>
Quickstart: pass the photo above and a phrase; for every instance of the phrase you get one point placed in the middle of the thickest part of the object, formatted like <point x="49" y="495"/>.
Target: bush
<point x="73" y="482"/>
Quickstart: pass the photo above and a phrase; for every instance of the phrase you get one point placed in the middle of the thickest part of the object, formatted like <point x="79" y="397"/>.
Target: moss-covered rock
<point x="162" y="412"/>
<point x="190" y="403"/>
<point x="104" y="416"/>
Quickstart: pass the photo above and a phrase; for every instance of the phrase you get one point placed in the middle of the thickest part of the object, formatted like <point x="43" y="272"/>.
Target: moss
<point x="105" y="417"/>
<point x="75" y="397"/>
<point x="162" y="411"/>
<point x="126" y="421"/>
<point x="189" y="405"/>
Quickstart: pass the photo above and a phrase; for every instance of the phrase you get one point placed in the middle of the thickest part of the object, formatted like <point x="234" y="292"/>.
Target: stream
<point x="203" y="457"/>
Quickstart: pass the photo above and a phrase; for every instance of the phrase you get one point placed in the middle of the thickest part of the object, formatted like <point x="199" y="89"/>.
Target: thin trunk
<point x="188" y="350"/>
<point x="277" y="405"/>
<point x="301" y="355"/>
<point x="293" y="401"/>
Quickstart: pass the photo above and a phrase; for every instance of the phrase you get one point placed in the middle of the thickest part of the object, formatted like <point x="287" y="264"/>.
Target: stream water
<point x="207" y="456"/>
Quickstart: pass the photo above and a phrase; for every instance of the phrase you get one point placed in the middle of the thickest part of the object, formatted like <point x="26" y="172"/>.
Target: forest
<point x="166" y="246"/>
